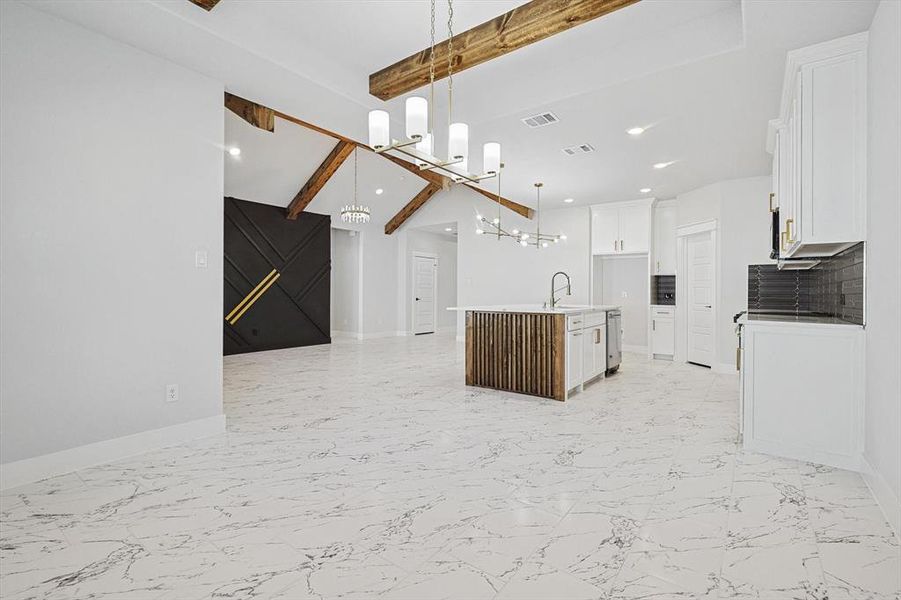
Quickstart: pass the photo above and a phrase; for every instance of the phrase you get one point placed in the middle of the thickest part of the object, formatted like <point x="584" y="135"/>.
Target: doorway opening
<point x="432" y="281"/>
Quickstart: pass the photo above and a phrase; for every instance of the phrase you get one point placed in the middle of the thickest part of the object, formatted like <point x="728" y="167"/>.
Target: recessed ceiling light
<point x="663" y="165"/>
<point x="635" y="131"/>
<point x="234" y="151"/>
<point x="644" y="190"/>
<point x="569" y="200"/>
<point x="379" y="191"/>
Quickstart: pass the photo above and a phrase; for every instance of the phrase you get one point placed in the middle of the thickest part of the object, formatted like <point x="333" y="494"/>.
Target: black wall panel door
<point x="277" y="275"/>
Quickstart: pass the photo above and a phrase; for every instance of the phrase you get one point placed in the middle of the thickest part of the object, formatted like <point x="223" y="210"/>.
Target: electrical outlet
<point x="172" y="392"/>
<point x="200" y="259"/>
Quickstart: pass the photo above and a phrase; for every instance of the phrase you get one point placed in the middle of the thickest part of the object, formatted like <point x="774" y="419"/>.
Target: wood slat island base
<point x="517" y="352"/>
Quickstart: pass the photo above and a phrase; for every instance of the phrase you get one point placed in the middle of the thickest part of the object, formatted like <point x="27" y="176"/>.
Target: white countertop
<point x="564" y="309"/>
<point x="752" y="319"/>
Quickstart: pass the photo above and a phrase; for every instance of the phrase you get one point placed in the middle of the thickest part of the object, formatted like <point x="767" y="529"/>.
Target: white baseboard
<point x="820" y="457"/>
<point x="637" y="349"/>
<point x="725" y="368"/>
<point x="344" y="335"/>
<point x="29" y="470"/>
<point x="885" y="497"/>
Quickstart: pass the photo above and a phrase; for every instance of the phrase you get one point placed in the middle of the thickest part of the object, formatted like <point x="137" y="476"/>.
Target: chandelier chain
<point x="432" y="73"/>
<point x="355" y="174"/>
<point x="450" y="60"/>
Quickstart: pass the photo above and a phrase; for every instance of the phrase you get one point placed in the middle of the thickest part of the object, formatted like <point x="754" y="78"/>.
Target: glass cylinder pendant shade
<point x="379" y="134"/>
<point x="491" y="157"/>
<point x="458" y="141"/>
<point x="417" y="117"/>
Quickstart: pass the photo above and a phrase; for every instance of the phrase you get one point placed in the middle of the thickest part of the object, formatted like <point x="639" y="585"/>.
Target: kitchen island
<point x="536" y="350"/>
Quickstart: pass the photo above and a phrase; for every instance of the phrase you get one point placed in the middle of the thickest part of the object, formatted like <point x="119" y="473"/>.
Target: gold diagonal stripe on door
<point x="255" y="298"/>
<point x="250" y="295"/>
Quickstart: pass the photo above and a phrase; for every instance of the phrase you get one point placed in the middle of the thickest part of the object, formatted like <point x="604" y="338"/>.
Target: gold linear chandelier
<point x="420" y="126"/>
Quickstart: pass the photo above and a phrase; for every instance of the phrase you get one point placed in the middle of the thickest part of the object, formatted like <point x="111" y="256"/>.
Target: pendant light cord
<point x="355" y="175"/>
<point x="450" y="61"/>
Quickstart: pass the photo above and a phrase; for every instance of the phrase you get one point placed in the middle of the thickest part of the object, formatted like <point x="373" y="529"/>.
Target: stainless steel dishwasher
<point x="614" y="340"/>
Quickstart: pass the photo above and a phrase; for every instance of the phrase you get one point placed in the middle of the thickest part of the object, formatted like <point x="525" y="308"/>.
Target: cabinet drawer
<point x="595" y="318"/>
<point x="663" y="313"/>
<point x="574" y="322"/>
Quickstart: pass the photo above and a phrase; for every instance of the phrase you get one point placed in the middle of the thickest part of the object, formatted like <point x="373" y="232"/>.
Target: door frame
<point x="682" y="232"/>
<point x="413" y="256"/>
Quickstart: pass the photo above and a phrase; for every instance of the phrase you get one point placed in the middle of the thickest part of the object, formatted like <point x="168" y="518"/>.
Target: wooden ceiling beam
<point x="524" y="25"/>
<point x="264" y="118"/>
<point x="445" y="183"/>
<point x="255" y="114"/>
<point x="412" y="206"/>
<point x="319" y="178"/>
<point x="206" y="5"/>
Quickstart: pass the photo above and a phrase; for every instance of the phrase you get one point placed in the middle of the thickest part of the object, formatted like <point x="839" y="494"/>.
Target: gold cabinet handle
<point x="772" y="195"/>
<point x="788" y="230"/>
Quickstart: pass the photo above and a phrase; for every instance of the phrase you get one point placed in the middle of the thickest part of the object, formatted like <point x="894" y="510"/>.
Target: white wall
<point x="740" y="209"/>
<point x="492" y="271"/>
<point x="111" y="179"/>
<point x="612" y="277"/>
<point x="345" y="282"/>
<point x="445" y="249"/>
<point x="883" y="332"/>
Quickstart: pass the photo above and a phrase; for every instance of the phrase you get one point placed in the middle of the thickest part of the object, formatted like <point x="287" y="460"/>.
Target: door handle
<point x="708" y="306"/>
<point x="417" y="299"/>
<point x="654" y="325"/>
<point x="614" y="245"/>
<point x="622" y="245"/>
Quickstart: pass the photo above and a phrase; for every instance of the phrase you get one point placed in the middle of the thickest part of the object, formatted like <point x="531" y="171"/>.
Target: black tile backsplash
<point x="834" y="288"/>
<point x="664" y="291"/>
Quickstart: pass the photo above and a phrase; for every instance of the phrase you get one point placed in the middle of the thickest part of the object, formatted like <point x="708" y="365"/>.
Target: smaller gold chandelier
<point x="523" y="238"/>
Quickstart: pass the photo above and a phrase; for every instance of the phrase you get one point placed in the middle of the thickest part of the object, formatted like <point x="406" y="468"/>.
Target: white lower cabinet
<point x="802" y="392"/>
<point x="663" y="331"/>
<point x="594" y="351"/>
<point x="586" y="348"/>
<point x="573" y="359"/>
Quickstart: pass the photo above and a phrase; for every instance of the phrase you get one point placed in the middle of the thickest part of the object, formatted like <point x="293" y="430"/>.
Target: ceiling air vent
<point x="540" y="120"/>
<point x="579" y="149"/>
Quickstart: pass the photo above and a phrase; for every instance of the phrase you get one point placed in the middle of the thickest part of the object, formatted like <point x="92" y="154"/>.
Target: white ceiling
<point x="704" y="76"/>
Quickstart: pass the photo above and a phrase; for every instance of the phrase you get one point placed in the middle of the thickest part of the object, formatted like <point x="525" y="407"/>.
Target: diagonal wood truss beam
<point x="264" y="118"/>
<point x="319" y="178"/>
<point x="524" y="25"/>
<point x="206" y="5"/>
<point x="412" y="206"/>
<point x="255" y="114"/>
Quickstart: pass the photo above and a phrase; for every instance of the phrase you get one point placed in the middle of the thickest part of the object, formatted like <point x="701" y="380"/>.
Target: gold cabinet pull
<point x="772" y="195"/>
<point x="788" y="230"/>
<point x="784" y="237"/>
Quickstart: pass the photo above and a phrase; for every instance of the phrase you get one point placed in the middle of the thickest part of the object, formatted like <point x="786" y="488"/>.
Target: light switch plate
<point x="200" y="259"/>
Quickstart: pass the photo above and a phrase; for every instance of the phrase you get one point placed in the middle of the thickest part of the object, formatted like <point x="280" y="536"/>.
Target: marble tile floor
<point x="367" y="470"/>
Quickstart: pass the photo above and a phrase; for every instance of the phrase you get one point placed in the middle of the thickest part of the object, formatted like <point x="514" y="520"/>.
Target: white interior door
<point x="700" y="258"/>
<point x="424" y="283"/>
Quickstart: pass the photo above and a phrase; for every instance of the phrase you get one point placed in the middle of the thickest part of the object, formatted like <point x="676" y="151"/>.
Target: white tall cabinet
<point x="664" y="259"/>
<point x="819" y="149"/>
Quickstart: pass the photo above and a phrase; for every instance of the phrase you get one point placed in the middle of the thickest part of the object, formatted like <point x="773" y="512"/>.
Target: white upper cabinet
<point x="664" y="239"/>
<point x="621" y="227"/>
<point x="819" y="149"/>
<point x="604" y="230"/>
